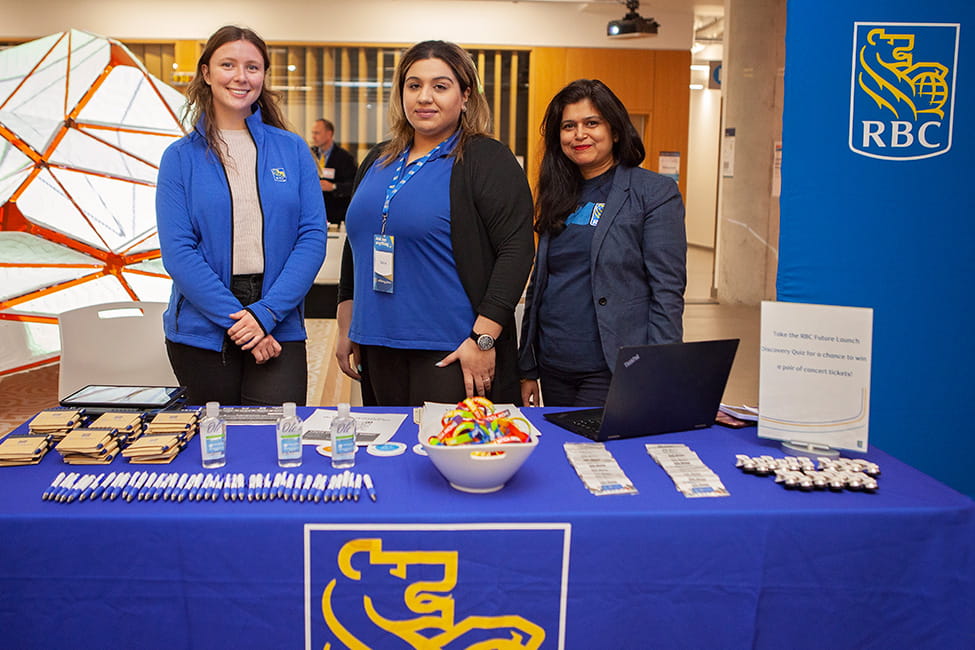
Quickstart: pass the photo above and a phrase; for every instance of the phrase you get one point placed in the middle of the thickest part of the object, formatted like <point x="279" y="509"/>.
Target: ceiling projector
<point x="632" y="25"/>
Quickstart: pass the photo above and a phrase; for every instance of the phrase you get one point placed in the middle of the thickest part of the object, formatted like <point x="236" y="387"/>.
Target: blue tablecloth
<point x="543" y="559"/>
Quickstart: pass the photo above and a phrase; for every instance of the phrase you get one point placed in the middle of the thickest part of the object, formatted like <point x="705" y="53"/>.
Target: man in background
<point x="336" y="170"/>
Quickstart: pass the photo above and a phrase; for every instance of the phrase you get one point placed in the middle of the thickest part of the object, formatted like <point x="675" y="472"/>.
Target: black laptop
<point x="657" y="389"/>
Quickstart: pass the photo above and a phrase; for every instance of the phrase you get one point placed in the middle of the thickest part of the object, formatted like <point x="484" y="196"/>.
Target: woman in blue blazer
<point x="611" y="263"/>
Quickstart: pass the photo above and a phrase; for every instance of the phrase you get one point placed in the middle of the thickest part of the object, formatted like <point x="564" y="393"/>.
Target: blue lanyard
<point x="399" y="181"/>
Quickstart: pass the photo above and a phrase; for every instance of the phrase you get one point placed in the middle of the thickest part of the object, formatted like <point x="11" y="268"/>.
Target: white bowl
<point x="468" y="469"/>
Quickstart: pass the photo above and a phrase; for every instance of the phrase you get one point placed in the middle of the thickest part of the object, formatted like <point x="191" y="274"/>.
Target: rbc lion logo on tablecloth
<point x="435" y="587"/>
<point x="902" y="89"/>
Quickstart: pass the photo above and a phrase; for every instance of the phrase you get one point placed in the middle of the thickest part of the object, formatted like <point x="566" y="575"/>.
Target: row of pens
<point x="69" y="487"/>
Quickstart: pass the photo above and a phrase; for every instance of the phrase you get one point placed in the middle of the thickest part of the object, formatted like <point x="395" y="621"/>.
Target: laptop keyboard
<point x="590" y="423"/>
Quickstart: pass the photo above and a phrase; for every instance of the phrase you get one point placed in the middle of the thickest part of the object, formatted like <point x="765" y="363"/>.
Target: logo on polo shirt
<point x="903" y="89"/>
<point x="279" y="175"/>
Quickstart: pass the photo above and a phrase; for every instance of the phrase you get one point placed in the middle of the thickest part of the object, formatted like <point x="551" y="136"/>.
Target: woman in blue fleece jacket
<point x="242" y="233"/>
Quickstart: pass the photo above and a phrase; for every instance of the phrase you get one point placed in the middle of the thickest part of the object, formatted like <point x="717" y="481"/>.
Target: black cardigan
<point x="491" y="234"/>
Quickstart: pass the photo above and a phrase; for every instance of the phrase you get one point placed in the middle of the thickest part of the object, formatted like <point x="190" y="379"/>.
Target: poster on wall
<point x="728" y="153"/>
<point x="668" y="164"/>
<point x="814" y="378"/>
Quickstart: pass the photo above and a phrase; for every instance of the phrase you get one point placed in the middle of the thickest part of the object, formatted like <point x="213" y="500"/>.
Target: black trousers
<point x="574" y="388"/>
<point x="232" y="376"/>
<point x="396" y="377"/>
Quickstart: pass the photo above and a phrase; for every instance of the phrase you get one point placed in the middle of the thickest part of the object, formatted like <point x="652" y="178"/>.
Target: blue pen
<point x="146" y="489"/>
<point x="130" y="485"/>
<point x="116" y="488"/>
<point x="198" y="490"/>
<point x="289" y="483"/>
<point x="189" y="490"/>
<point x="136" y="487"/>
<point x="52" y="488"/>
<point x="90" y="488"/>
<point x="77" y="487"/>
<point x="306" y="487"/>
<point x="176" y="488"/>
<point x="130" y="480"/>
<point x="65" y="486"/>
<point x="340" y="488"/>
<point x="240" y="487"/>
<point x="266" y="488"/>
<point x="358" y="487"/>
<point x="369" y="487"/>
<point x="102" y="486"/>
<point x="71" y="483"/>
<point x="280" y="479"/>
<point x="193" y="486"/>
<point x="330" y="490"/>
<point x="207" y="491"/>
<point x="219" y="484"/>
<point x="164" y="481"/>
<point x="319" y="486"/>
<point x="227" y="494"/>
<point x="296" y="490"/>
<point x="276" y="487"/>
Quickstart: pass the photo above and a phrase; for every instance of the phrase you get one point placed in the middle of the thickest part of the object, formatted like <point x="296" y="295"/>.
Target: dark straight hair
<point x="560" y="180"/>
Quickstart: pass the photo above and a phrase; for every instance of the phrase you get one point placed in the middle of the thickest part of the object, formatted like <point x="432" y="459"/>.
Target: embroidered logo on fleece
<point x="279" y="175"/>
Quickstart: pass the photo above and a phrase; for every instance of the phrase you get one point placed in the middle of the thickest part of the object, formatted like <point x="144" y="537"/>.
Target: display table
<point x="542" y="559"/>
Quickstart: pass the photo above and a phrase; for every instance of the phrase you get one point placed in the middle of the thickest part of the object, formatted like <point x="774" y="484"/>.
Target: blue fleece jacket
<point x="194" y="214"/>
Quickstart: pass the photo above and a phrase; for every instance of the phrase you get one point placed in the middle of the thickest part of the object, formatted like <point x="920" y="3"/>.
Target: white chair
<point x="117" y="343"/>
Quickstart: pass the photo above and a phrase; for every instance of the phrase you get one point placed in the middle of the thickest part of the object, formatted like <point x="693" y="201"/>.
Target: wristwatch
<point x="484" y="341"/>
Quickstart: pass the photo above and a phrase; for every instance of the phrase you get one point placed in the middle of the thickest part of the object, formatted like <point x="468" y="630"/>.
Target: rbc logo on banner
<point x="903" y="89"/>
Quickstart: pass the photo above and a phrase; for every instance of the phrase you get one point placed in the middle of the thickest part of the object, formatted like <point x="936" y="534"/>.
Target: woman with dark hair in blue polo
<point x="439" y="245"/>
<point x="611" y="263"/>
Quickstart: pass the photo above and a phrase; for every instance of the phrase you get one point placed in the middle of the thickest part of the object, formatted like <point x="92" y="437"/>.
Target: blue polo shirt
<point x="568" y="334"/>
<point x="428" y="309"/>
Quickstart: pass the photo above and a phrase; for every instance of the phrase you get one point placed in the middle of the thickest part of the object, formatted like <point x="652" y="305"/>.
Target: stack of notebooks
<point x="24" y="449"/>
<point x="55" y="423"/>
<point x="166" y="436"/>
<point x="45" y="430"/>
<point x="100" y="441"/>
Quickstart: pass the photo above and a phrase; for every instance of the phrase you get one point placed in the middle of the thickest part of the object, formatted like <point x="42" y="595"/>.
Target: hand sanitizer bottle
<point x="289" y="437"/>
<point x="343" y="439"/>
<point x="213" y="437"/>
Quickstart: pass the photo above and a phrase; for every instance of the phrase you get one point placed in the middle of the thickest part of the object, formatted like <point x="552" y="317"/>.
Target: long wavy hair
<point x="560" y="180"/>
<point x="474" y="121"/>
<point x="199" y="95"/>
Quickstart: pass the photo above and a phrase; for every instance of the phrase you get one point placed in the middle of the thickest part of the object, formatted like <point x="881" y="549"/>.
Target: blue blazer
<point x="637" y="267"/>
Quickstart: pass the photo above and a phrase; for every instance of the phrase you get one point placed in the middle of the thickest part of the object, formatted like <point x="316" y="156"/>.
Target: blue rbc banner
<point x="877" y="205"/>
<point x="427" y="586"/>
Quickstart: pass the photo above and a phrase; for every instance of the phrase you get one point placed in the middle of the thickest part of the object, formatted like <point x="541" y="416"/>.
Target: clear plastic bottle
<point x="343" y="439"/>
<point x="213" y="437"/>
<point x="289" y="437"/>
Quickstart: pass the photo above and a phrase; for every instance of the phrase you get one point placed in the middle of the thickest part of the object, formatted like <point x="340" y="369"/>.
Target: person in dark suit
<point x="610" y="269"/>
<point x="336" y="170"/>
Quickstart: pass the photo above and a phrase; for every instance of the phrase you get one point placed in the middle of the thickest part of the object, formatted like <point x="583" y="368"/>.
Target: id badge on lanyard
<point x="383" y="244"/>
<point x="382" y="263"/>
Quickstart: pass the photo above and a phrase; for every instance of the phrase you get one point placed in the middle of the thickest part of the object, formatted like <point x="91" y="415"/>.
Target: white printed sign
<point x="814" y="384"/>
